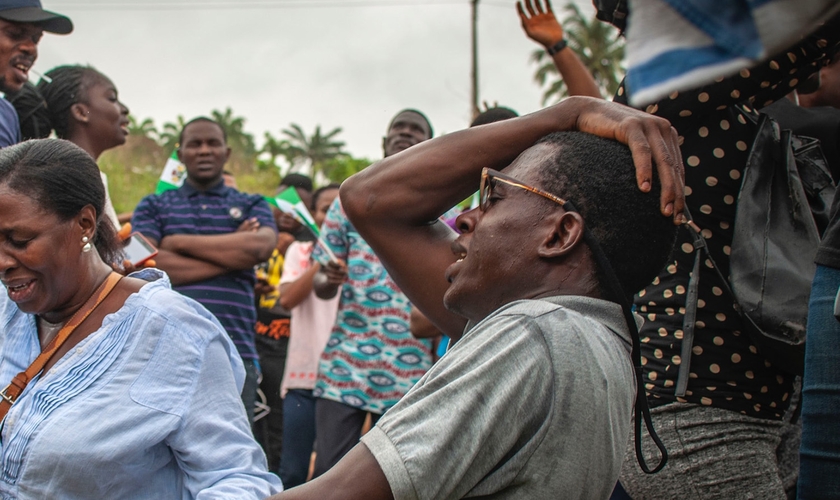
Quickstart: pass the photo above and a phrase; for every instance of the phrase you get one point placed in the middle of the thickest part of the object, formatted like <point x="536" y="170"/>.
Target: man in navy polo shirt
<point x="210" y="237"/>
<point x="22" y="22"/>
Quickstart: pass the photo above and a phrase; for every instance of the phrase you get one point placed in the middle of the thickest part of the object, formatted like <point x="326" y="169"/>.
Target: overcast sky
<point x="337" y="63"/>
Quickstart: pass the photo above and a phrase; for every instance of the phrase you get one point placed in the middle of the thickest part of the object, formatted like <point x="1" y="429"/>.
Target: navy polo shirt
<point x="219" y="210"/>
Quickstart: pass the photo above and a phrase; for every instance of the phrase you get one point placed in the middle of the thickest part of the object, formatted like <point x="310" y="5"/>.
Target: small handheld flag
<point x="173" y="175"/>
<point x="288" y="201"/>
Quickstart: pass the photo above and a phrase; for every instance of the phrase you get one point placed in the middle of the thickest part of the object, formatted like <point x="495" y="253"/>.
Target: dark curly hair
<point x="598" y="176"/>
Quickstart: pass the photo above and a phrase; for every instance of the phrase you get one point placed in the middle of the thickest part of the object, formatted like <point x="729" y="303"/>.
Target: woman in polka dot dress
<point x="726" y="435"/>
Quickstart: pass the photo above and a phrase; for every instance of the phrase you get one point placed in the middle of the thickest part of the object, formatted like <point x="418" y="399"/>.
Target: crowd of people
<point x="553" y="339"/>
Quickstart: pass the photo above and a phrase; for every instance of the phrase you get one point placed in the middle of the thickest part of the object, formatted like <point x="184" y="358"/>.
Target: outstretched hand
<point x="540" y="23"/>
<point x="652" y="141"/>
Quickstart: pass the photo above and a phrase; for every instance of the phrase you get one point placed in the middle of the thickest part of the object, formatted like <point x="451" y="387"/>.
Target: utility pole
<point x="474" y="72"/>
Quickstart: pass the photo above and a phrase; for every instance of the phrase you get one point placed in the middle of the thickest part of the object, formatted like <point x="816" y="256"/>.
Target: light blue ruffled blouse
<point x="147" y="406"/>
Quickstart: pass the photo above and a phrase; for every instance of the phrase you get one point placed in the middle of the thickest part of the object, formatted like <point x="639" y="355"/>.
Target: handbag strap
<point x="10" y="394"/>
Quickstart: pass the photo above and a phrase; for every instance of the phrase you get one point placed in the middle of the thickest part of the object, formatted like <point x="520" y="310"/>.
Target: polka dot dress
<point x="726" y="368"/>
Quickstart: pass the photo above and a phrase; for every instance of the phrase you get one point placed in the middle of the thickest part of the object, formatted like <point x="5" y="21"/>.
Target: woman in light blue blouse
<point x="142" y="401"/>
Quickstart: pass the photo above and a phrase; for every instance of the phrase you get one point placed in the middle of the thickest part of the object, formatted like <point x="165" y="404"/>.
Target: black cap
<point x="30" y="11"/>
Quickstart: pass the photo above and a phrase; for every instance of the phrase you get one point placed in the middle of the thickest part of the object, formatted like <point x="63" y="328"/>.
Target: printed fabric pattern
<point x="371" y="359"/>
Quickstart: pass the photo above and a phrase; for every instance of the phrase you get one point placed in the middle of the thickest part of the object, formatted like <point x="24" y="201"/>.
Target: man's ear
<point x="80" y="112"/>
<point x="564" y="234"/>
<point x="384" y="141"/>
<point x="227" y="154"/>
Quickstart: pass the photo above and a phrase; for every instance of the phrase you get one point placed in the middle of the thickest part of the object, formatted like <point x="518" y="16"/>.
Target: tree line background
<point x="134" y="168"/>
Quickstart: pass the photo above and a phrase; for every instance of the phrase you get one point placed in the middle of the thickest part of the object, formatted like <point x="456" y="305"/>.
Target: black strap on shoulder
<point x="641" y="410"/>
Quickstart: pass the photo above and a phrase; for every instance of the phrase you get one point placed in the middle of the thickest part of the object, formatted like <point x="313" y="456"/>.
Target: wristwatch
<point x="557" y="47"/>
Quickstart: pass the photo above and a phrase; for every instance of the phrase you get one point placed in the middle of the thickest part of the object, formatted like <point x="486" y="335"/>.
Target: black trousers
<point x="338" y="428"/>
<point x="269" y="429"/>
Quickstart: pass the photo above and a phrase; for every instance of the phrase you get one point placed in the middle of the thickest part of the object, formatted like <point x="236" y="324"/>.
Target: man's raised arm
<point x="395" y="203"/>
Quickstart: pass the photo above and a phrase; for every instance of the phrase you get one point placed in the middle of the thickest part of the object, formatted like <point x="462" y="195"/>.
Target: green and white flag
<point x="173" y="175"/>
<point x="289" y="202"/>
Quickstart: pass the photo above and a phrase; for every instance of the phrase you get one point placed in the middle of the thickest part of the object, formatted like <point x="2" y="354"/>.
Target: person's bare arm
<point x="293" y="293"/>
<point x="395" y="203"/>
<point x="357" y="476"/>
<point x="541" y="26"/>
<point x="183" y="270"/>
<point x="239" y="250"/>
<point x="420" y="326"/>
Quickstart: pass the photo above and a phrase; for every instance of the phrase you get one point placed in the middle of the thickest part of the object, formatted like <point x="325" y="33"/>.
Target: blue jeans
<point x="819" y="458"/>
<point x="298" y="436"/>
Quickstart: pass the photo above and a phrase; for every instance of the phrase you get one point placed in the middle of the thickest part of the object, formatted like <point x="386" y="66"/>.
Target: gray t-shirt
<point x="535" y="401"/>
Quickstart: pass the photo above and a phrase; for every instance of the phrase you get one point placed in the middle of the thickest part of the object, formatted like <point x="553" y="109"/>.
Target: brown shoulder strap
<point x="10" y="394"/>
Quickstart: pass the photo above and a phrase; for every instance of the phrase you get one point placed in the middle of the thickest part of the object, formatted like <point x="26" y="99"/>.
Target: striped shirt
<point x="219" y="210"/>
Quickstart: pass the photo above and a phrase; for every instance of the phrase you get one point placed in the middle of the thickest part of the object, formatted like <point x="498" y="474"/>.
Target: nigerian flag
<point x="289" y="202"/>
<point x="173" y="175"/>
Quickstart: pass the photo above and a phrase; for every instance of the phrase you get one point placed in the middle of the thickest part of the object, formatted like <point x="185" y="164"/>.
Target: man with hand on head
<point x="22" y="22"/>
<point x="371" y="359"/>
<point x="210" y="237"/>
<point x="536" y="396"/>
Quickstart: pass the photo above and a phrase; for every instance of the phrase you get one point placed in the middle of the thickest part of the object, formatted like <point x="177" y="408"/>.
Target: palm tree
<point x="275" y="148"/>
<point x="243" y="156"/>
<point x="314" y="150"/>
<point x="340" y="168"/>
<point x="234" y="127"/>
<point x="170" y="134"/>
<point x="598" y="46"/>
<point x="146" y="128"/>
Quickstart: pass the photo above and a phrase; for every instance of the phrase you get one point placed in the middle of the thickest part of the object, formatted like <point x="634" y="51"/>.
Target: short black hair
<point x="598" y="176"/>
<point x="412" y="110"/>
<point x="318" y="192"/>
<point x="492" y="115"/>
<point x="201" y="119"/>
<point x="63" y="179"/>
<point x="297" y="181"/>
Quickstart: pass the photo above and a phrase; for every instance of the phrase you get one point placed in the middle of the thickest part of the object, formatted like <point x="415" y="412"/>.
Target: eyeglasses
<point x="489" y="177"/>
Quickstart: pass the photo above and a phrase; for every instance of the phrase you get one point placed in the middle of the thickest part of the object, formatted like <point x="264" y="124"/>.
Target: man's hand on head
<point x="652" y="141"/>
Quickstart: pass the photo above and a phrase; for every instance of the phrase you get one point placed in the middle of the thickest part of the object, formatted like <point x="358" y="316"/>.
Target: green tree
<point x="340" y="168"/>
<point x="313" y="151"/>
<point x="146" y="128"/>
<point x="598" y="46"/>
<point x="169" y="134"/>
<point x="275" y="148"/>
<point x="243" y="156"/>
